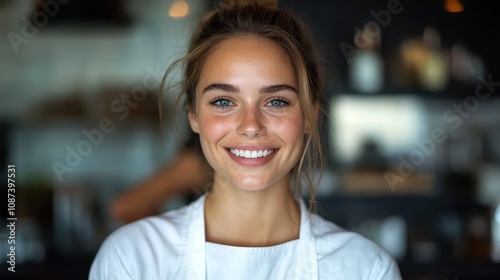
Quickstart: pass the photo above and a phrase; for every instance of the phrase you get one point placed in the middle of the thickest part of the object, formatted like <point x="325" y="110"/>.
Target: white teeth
<point x="251" y="154"/>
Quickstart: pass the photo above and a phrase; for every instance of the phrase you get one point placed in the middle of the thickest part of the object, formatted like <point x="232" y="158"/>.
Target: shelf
<point x="450" y="93"/>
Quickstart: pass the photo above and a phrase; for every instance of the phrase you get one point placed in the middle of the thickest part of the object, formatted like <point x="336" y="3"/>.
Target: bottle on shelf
<point x="366" y="70"/>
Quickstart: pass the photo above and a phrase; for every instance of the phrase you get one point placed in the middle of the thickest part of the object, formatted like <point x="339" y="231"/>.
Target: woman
<point x="253" y="91"/>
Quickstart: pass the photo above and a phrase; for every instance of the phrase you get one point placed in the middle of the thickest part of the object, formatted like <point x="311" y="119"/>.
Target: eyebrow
<point x="277" y="88"/>
<point x="235" y="89"/>
<point x="221" y="87"/>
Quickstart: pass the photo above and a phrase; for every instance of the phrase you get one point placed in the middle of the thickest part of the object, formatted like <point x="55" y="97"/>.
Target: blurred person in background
<point x="188" y="173"/>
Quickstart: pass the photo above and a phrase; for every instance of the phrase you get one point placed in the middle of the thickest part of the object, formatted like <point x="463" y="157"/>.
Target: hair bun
<point x="231" y="4"/>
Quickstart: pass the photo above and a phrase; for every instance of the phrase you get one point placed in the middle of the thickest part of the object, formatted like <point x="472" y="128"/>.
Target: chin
<point x="250" y="182"/>
<point x="253" y="184"/>
<point x="252" y="188"/>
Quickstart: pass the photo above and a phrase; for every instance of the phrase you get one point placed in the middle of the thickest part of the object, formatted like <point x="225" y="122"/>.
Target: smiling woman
<point x="247" y="104"/>
<point x="253" y="90"/>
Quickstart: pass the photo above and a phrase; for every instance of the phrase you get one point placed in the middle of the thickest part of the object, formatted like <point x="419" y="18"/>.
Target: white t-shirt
<point x="173" y="246"/>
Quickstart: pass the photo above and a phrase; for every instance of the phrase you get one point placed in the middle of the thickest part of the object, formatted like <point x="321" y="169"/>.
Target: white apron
<point x="195" y="256"/>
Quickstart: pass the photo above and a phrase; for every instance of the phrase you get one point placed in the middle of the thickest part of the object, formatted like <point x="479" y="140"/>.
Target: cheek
<point x="213" y="127"/>
<point x="290" y="129"/>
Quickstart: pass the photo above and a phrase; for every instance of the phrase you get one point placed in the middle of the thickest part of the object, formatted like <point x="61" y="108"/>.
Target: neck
<point x="251" y="218"/>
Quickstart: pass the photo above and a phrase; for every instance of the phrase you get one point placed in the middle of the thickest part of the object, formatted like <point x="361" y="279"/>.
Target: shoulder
<point x="154" y="229"/>
<point x="332" y="239"/>
<point x="144" y="246"/>
<point x="350" y="253"/>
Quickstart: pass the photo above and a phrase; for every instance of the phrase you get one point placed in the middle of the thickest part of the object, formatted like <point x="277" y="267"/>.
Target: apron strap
<point x="193" y="266"/>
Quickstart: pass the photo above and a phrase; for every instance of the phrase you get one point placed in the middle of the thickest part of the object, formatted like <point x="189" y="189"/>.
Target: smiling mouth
<point x="251" y="154"/>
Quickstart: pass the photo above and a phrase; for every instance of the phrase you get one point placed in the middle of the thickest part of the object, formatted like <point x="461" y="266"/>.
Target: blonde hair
<point x="267" y="20"/>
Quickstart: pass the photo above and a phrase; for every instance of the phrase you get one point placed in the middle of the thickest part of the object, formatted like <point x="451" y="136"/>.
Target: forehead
<point x="248" y="57"/>
<point x="249" y="44"/>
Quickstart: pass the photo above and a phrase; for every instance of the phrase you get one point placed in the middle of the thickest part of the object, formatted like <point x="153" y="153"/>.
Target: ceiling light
<point x="453" y="6"/>
<point x="179" y="9"/>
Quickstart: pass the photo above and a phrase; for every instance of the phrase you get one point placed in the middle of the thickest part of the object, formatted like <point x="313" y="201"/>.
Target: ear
<point x="193" y="121"/>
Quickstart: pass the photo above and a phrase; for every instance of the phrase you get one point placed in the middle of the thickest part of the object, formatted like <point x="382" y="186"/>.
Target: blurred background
<point x="413" y="154"/>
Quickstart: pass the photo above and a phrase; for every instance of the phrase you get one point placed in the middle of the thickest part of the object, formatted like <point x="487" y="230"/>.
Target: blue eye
<point x="221" y="102"/>
<point x="278" y="103"/>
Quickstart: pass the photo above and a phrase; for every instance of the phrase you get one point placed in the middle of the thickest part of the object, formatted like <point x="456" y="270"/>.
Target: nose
<point x="251" y="124"/>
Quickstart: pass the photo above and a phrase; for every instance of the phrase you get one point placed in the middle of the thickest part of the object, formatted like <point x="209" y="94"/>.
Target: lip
<point x="252" y="147"/>
<point x="252" y="162"/>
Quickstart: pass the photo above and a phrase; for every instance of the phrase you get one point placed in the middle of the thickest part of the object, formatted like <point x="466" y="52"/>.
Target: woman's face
<point x="248" y="114"/>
